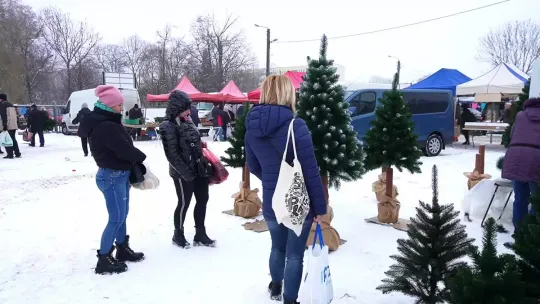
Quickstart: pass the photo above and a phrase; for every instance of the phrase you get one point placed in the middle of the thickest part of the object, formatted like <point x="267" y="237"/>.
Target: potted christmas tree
<point x="322" y="106"/>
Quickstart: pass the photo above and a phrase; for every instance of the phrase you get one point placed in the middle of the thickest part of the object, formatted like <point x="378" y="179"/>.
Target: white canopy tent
<point x="504" y="79"/>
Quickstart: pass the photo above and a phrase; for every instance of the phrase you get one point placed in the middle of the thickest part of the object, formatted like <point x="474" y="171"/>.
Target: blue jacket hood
<point x="264" y="120"/>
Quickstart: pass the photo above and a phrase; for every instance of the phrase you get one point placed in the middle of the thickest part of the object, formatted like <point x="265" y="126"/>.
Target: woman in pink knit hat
<point x="115" y="155"/>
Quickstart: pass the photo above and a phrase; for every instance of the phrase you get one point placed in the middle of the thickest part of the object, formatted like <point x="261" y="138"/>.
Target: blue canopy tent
<point x="443" y="79"/>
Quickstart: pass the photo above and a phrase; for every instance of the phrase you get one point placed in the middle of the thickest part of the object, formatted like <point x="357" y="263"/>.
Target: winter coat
<point x="522" y="159"/>
<point x="8" y="116"/>
<point x="79" y="119"/>
<point x="36" y="120"/>
<point x="182" y="142"/>
<point x="266" y="136"/>
<point x="466" y="116"/>
<point x="194" y="114"/>
<point x="110" y="143"/>
<point x="135" y="113"/>
<point x="217" y="117"/>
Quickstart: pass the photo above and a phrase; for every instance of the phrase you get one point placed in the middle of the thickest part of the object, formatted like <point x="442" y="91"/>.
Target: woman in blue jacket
<point x="266" y="135"/>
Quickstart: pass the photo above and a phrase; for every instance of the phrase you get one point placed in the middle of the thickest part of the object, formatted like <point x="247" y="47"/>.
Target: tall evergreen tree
<point x="391" y="141"/>
<point x="236" y="157"/>
<point x="429" y="257"/>
<point x="492" y="279"/>
<point x="527" y="248"/>
<point x="327" y="116"/>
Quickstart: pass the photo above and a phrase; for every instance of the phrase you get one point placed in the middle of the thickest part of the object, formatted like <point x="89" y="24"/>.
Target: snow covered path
<point x="52" y="216"/>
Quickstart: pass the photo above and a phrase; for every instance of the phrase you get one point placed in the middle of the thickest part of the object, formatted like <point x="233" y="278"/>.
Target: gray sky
<point x="423" y="49"/>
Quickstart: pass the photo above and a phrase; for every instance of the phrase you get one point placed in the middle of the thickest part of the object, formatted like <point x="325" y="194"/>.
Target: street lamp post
<point x="268" y="42"/>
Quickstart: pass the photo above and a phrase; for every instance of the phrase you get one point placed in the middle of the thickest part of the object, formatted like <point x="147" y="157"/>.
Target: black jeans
<point x="84" y="143"/>
<point x="15" y="147"/>
<point x="41" y="139"/>
<point x="185" y="191"/>
<point x="224" y="132"/>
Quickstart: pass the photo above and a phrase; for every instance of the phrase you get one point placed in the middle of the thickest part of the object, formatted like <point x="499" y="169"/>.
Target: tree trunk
<point x="389" y="182"/>
<point x="325" y="186"/>
<point x="245" y="177"/>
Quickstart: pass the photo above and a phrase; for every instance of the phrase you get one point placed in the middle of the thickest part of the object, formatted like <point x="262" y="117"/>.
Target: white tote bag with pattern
<point x="291" y="201"/>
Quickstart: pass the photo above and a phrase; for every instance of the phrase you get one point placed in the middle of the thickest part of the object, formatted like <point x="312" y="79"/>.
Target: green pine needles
<point x="514" y="110"/>
<point x="235" y="154"/>
<point x="429" y="257"/>
<point x="391" y="141"/>
<point x="492" y="278"/>
<point x="527" y="248"/>
<point x="327" y="116"/>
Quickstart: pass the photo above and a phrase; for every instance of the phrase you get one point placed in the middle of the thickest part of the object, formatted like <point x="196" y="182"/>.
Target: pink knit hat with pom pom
<point x="109" y="95"/>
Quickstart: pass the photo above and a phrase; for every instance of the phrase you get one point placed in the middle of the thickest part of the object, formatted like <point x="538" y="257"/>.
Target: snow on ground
<point x="52" y="216"/>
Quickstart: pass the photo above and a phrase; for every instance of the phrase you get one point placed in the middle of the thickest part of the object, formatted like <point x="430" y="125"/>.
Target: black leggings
<point x="185" y="191"/>
<point x="84" y="144"/>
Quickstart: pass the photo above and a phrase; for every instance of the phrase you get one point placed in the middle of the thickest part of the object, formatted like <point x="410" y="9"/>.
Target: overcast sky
<point x="423" y="49"/>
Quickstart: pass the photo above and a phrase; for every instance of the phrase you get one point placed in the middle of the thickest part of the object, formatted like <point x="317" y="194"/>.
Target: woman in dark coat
<point x="188" y="168"/>
<point x="79" y="119"/>
<point x="522" y="160"/>
<point x="466" y="116"/>
<point x="115" y="155"/>
<point x="36" y="120"/>
<point x="267" y="127"/>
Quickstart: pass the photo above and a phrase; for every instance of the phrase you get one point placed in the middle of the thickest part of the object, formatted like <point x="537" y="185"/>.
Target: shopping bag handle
<point x="318" y="232"/>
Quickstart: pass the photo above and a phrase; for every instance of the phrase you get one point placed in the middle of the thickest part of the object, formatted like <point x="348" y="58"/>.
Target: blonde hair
<point x="278" y="90"/>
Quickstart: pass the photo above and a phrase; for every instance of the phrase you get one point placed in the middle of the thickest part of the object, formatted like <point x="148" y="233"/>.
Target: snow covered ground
<point x="52" y="216"/>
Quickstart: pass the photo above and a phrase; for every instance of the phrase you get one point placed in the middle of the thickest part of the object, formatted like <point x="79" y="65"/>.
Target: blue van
<point x="432" y="113"/>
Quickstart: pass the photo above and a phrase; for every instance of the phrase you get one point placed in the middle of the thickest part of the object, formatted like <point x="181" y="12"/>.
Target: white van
<point x="77" y="98"/>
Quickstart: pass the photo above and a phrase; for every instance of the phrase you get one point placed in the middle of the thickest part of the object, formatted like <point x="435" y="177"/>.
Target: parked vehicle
<point x="77" y="98"/>
<point x="432" y="113"/>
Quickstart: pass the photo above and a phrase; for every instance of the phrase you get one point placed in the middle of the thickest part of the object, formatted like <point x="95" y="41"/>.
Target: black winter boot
<point x="201" y="239"/>
<point x="108" y="264"/>
<point x="179" y="239"/>
<point x="124" y="253"/>
<point x="275" y="290"/>
<point x="289" y="302"/>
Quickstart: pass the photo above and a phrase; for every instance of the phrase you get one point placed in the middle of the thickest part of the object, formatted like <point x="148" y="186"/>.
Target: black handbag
<point x="137" y="173"/>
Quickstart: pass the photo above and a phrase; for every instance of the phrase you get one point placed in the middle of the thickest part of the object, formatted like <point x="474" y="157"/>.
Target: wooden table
<point x="490" y="127"/>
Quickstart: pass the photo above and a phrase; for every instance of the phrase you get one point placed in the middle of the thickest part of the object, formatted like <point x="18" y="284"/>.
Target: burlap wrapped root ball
<point x="247" y="203"/>
<point x="388" y="210"/>
<point x="330" y="235"/>
<point x="379" y="187"/>
<point x="473" y="178"/>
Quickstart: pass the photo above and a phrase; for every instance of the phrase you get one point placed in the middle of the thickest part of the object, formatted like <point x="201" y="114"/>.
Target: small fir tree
<point x="527" y="248"/>
<point x="492" y="279"/>
<point x="236" y="157"/>
<point x="327" y="116"/>
<point x="514" y="110"/>
<point x="391" y="141"/>
<point x="429" y="257"/>
<point x="235" y="154"/>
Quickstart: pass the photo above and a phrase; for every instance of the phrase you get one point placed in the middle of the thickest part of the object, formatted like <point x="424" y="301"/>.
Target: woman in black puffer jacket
<point x="187" y="166"/>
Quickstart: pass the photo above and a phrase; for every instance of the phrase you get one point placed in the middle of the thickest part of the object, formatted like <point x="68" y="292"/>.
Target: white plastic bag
<point x="317" y="286"/>
<point x="229" y="131"/>
<point x="5" y="139"/>
<point x="150" y="180"/>
<point x="291" y="201"/>
<point x="476" y="201"/>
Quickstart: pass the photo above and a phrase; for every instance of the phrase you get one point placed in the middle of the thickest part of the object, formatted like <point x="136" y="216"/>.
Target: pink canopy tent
<point x="230" y="94"/>
<point x="184" y="85"/>
<point x="295" y="77"/>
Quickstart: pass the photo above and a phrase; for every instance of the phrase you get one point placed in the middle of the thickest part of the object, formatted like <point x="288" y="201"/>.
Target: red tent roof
<point x="231" y="93"/>
<point x="184" y="85"/>
<point x="295" y="77"/>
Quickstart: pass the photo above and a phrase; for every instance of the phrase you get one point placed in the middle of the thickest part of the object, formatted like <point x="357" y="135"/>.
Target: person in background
<point x="522" y="160"/>
<point x="136" y="113"/>
<point x="115" y="155"/>
<point x="36" y="122"/>
<point x="506" y="112"/>
<point x="466" y="116"/>
<point x="225" y="120"/>
<point x="8" y="115"/>
<point x="216" y="119"/>
<point x="267" y="126"/>
<point x="80" y="119"/>
<point x="240" y="111"/>
<point x="194" y="114"/>
<point x="188" y="168"/>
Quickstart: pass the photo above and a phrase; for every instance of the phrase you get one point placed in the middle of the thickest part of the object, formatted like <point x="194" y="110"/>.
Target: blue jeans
<point x="522" y="193"/>
<point x="114" y="184"/>
<point x="286" y="245"/>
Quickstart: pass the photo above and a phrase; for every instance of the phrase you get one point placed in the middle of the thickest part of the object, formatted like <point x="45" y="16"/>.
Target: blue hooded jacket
<point x="266" y="136"/>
